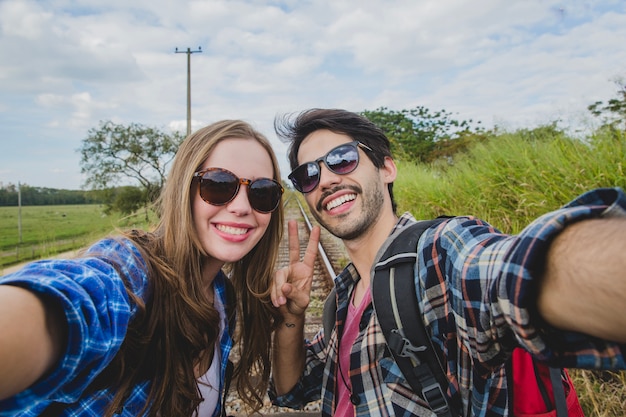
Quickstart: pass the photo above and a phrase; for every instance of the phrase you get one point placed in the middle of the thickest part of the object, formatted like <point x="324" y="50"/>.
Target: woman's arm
<point x="33" y="336"/>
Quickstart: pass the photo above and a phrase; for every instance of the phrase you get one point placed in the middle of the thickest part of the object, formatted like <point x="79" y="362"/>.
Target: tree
<point x="112" y="153"/>
<point x="419" y="134"/>
<point x="128" y="200"/>
<point x="613" y="112"/>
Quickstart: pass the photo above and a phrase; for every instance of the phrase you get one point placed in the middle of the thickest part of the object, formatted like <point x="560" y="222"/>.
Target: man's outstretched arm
<point x="584" y="283"/>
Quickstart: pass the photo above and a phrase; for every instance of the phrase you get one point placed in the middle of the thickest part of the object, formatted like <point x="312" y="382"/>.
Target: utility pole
<point x="188" y="52"/>
<point x="19" y="212"/>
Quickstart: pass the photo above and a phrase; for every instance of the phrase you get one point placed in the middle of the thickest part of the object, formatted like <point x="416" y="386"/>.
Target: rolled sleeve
<point x="93" y="295"/>
<point x="480" y="285"/>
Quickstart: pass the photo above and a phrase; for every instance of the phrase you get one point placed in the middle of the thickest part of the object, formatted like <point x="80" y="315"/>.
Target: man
<point x="557" y="289"/>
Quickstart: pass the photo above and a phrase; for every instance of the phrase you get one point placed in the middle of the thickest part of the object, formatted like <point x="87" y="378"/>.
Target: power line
<point x="189" y="52"/>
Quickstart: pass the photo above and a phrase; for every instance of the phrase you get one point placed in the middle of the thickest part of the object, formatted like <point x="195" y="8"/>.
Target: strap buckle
<point x="404" y="347"/>
<point x="436" y="399"/>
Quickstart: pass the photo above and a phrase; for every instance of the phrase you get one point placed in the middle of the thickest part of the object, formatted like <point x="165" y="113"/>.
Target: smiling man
<point x="481" y="293"/>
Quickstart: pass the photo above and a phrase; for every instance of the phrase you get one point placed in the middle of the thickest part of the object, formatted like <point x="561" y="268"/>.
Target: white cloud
<point x="69" y="65"/>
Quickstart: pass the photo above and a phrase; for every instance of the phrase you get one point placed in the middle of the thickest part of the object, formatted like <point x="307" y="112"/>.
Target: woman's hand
<point x="292" y="284"/>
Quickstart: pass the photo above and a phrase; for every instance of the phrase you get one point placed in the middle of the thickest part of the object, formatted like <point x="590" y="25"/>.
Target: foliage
<point x="112" y="153"/>
<point x="512" y="178"/>
<point x="613" y="112"/>
<point x="421" y="135"/>
<point x="600" y="393"/>
<point x="128" y="200"/>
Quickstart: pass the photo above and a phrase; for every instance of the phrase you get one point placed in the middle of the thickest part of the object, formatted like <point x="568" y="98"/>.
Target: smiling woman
<point x="145" y="320"/>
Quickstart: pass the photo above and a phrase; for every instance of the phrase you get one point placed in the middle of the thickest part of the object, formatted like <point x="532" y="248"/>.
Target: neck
<point x="210" y="269"/>
<point x="363" y="249"/>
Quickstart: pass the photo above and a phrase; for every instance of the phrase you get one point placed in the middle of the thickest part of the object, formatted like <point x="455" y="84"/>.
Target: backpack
<point x="537" y="389"/>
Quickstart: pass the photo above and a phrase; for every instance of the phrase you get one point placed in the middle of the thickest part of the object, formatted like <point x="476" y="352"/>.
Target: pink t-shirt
<point x="345" y="407"/>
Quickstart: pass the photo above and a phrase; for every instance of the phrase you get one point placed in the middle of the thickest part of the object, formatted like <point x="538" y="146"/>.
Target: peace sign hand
<point x="291" y="289"/>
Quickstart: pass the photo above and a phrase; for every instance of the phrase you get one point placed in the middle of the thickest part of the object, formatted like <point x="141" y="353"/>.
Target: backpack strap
<point x="560" y="403"/>
<point x="395" y="303"/>
<point x="536" y="388"/>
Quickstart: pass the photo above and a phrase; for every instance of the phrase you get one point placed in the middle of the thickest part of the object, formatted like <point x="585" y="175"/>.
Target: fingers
<point x="277" y="294"/>
<point x="294" y="242"/>
<point x="294" y="245"/>
<point x="311" y="249"/>
<point x="292" y="284"/>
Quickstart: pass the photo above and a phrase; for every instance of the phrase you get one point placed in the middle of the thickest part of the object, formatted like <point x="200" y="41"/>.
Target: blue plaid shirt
<point x="474" y="290"/>
<point x="98" y="311"/>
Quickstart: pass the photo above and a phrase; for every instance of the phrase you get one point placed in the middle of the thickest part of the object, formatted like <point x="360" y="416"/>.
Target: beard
<point x="350" y="226"/>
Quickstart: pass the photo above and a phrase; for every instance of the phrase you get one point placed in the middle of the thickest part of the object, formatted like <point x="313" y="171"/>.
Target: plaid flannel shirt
<point x="474" y="288"/>
<point x="98" y="311"/>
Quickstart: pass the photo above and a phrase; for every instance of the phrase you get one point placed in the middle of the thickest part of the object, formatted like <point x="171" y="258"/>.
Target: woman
<point x="141" y="323"/>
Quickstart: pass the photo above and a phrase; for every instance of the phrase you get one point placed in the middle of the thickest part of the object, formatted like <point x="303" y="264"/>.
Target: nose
<point x="240" y="205"/>
<point x="328" y="178"/>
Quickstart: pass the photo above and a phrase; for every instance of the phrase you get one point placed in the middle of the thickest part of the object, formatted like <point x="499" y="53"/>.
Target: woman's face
<point x="227" y="233"/>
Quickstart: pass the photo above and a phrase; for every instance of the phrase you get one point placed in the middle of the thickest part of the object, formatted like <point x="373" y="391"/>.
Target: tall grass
<point x="511" y="179"/>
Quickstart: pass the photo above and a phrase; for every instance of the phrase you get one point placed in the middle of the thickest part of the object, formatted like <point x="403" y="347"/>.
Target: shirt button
<point x="354" y="399"/>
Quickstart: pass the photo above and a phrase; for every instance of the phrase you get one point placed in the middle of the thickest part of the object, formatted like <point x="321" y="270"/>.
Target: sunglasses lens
<point x="340" y="160"/>
<point x="218" y="187"/>
<point x="343" y="159"/>
<point x="305" y="177"/>
<point x="264" y="195"/>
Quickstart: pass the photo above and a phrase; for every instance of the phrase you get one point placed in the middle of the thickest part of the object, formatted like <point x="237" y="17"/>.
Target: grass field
<point x="48" y="230"/>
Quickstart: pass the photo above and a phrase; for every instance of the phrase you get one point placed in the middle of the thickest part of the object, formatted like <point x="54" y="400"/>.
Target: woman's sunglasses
<point x="341" y="160"/>
<point x="219" y="186"/>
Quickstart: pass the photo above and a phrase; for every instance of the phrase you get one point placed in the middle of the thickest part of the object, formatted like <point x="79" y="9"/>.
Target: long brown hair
<point x="179" y="324"/>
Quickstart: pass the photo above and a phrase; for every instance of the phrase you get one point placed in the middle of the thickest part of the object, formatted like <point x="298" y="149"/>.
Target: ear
<point x="389" y="170"/>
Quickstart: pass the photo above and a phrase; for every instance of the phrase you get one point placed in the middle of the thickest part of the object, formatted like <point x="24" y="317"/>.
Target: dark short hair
<point x="294" y="128"/>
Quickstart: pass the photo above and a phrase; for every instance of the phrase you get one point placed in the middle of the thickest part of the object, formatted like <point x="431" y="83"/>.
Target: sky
<point x="66" y="66"/>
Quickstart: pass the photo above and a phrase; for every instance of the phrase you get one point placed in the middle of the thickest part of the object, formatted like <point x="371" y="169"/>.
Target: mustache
<point x="325" y="194"/>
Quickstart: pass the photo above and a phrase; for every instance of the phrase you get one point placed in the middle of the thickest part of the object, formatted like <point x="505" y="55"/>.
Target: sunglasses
<point x="219" y="186"/>
<point x="341" y="160"/>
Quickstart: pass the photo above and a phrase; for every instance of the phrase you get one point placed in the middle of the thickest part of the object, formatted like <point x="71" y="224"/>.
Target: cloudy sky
<point x="66" y="65"/>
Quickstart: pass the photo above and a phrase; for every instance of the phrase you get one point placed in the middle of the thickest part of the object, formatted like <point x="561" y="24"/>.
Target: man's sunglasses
<point x="219" y="186"/>
<point x="341" y="160"/>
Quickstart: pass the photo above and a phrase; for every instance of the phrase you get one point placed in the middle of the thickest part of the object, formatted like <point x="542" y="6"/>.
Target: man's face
<point x="345" y="204"/>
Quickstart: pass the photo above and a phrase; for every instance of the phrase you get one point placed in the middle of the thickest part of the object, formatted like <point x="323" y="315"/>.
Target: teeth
<point x="231" y="230"/>
<point x="339" y="201"/>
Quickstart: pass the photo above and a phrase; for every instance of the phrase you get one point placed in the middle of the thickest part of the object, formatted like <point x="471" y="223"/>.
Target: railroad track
<point x="331" y="259"/>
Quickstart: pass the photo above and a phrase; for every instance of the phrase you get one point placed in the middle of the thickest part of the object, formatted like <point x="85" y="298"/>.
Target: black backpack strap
<point x="395" y="303"/>
<point x="560" y="403"/>
<point x="557" y="376"/>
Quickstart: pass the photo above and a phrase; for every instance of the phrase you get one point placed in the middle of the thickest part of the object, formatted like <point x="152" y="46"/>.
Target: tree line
<point x="41" y="196"/>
